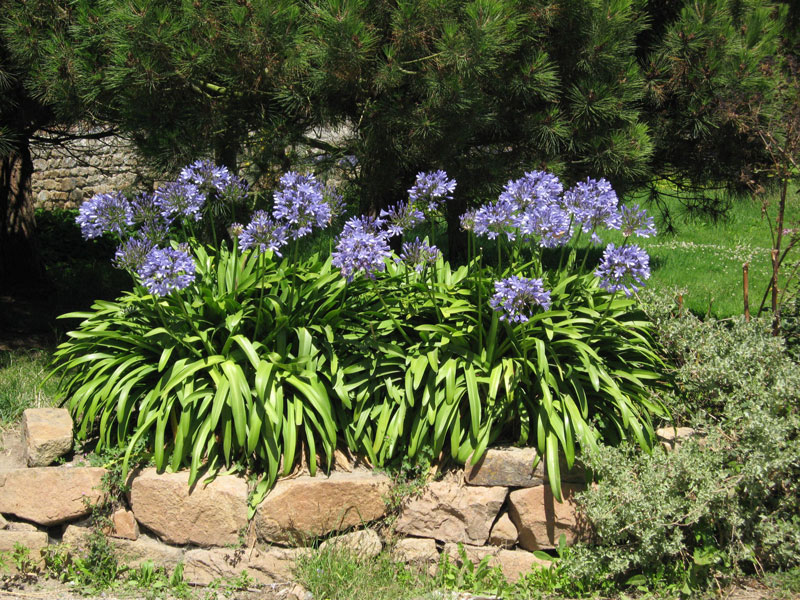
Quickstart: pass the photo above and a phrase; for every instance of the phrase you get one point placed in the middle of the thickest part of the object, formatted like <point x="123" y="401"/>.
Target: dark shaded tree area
<point x="637" y="91"/>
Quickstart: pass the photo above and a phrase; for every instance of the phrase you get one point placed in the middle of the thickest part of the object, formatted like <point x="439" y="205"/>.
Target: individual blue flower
<point x="418" y="254"/>
<point x="431" y="189"/>
<point x="502" y="216"/>
<point x="361" y="247"/>
<point x="132" y="254"/>
<point x="179" y="199"/>
<point x="516" y="298"/>
<point x="401" y="217"/>
<point x="263" y="232"/>
<point x="104" y="213"/>
<point x="623" y="269"/>
<point x="301" y="203"/>
<point x="533" y="188"/>
<point x="593" y="204"/>
<point x="167" y="270"/>
<point x="633" y="220"/>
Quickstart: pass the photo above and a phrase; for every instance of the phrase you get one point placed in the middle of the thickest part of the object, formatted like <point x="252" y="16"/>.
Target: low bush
<point x="721" y="503"/>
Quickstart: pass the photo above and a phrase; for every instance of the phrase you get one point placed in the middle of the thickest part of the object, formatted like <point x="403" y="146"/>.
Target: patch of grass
<point x="336" y="574"/>
<point x="705" y="257"/>
<point x="21" y="383"/>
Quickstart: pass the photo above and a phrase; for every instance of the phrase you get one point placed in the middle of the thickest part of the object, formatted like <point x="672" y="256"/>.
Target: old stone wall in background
<point x="69" y="173"/>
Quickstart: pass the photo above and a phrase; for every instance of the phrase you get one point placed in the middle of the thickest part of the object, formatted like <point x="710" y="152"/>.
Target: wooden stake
<point x="746" y="290"/>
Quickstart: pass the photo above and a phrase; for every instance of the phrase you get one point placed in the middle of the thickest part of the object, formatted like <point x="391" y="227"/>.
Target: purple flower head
<point x="177" y="199"/>
<point x="636" y="221"/>
<point x="533" y="188"/>
<point x="430" y="189"/>
<point x="361" y="247"/>
<point x="132" y="254"/>
<point x="516" y="297"/>
<point x="145" y="210"/>
<point x="593" y="203"/>
<point x="235" y="230"/>
<point x="210" y="178"/>
<point x="623" y="269"/>
<point x="467" y="220"/>
<point x="167" y="270"/>
<point x="365" y="224"/>
<point x="301" y="203"/>
<point x="548" y="223"/>
<point x="401" y="217"/>
<point x="418" y="254"/>
<point x="263" y="232"/>
<point x="499" y="217"/>
<point x="156" y="233"/>
<point x="104" y="213"/>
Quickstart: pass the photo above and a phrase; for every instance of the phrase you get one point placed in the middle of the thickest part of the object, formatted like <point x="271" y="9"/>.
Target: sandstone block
<point x="504" y="532"/>
<point x="513" y="563"/>
<point x="451" y="513"/>
<point x="540" y="519"/>
<point x="364" y="543"/>
<point x="206" y="515"/>
<point x="671" y="437"/>
<point x="418" y="552"/>
<point x="129" y="552"/>
<point x="513" y="467"/>
<point x="124" y="524"/>
<point x="299" y="509"/>
<point x="47" y="433"/>
<point x="50" y="495"/>
<point x="34" y="541"/>
<point x="271" y="565"/>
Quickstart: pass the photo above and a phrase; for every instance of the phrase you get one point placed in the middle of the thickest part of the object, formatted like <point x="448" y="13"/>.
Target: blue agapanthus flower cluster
<point x="132" y="254"/>
<point x="431" y="189"/>
<point x="179" y="199"/>
<point x="301" y="204"/>
<point x="263" y="232"/>
<point x="517" y="297"/>
<point x="362" y="246"/>
<point x="401" y="217"/>
<point x="635" y="221"/>
<point x="105" y="213"/>
<point x="167" y="270"/>
<point x="623" y="268"/>
<point x="207" y="177"/>
<point x="593" y="204"/>
<point x="533" y="188"/>
<point x="418" y="254"/>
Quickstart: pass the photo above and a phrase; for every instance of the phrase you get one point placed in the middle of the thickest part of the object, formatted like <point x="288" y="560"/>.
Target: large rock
<point x="364" y="543"/>
<point x="124" y="525"/>
<point x="297" y="510"/>
<point x="34" y="541"/>
<point x="417" y="552"/>
<point x="451" y="513"/>
<point x="513" y="467"/>
<point x="50" y="495"/>
<point x="131" y="553"/>
<point x="504" y="532"/>
<point x="540" y="519"/>
<point x="271" y="565"/>
<point x="513" y="563"/>
<point x="206" y="515"/>
<point x="47" y="433"/>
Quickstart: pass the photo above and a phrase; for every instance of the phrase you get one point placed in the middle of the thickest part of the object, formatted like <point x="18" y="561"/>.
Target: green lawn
<point x="704" y="259"/>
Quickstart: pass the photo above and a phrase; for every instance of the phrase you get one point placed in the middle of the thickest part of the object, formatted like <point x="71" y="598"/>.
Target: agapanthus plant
<point x="263" y="233"/>
<point x="301" y="204"/>
<point x="516" y="298"/>
<point x="431" y="189"/>
<point x="362" y="247"/>
<point x="623" y="268"/>
<point x="167" y="270"/>
<point x="418" y="254"/>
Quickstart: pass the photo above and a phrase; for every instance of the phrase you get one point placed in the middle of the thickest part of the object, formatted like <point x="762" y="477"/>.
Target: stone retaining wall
<point x="67" y="174"/>
<point x="500" y="507"/>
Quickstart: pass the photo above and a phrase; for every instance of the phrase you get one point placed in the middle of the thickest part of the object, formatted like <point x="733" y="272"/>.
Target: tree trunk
<point x="19" y="255"/>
